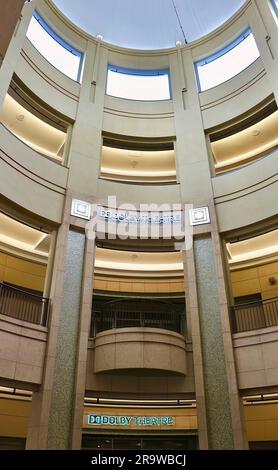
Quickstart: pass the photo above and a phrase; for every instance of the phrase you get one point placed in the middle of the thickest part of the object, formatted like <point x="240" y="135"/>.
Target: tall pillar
<point x="191" y="146"/>
<point x="219" y="406"/>
<point x="57" y="408"/>
<point x="86" y="139"/>
<point x="192" y="317"/>
<point x="220" y="422"/>
<point x="263" y="22"/>
<point x="82" y="348"/>
<point x="16" y="42"/>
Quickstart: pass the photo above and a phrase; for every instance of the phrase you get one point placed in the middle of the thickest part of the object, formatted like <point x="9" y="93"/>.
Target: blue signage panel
<point x="104" y="420"/>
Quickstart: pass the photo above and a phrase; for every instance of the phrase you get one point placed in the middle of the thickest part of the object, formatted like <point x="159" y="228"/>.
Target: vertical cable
<point x="179" y="21"/>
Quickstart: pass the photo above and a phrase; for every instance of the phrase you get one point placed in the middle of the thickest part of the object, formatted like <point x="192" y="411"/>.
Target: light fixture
<point x="99" y="37"/>
<point x="272" y="280"/>
<point x="255" y="132"/>
<point x="178" y="43"/>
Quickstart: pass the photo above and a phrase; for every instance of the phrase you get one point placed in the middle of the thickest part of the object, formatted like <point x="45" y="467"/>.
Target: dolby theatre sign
<point x="138" y="218"/>
<point x="104" y="420"/>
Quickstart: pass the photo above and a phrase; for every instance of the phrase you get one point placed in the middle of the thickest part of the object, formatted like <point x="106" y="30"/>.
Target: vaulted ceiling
<point x="148" y="24"/>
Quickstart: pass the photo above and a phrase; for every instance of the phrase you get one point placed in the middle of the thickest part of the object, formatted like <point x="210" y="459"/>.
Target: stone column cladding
<point x="192" y="319"/>
<point x="86" y="139"/>
<point x="82" y="348"/>
<point x="219" y="407"/>
<point x="264" y="27"/>
<point x="219" y="421"/>
<point x="57" y="408"/>
<point x="60" y="418"/>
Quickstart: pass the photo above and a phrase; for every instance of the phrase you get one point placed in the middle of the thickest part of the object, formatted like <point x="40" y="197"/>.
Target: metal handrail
<point x="254" y="302"/>
<point x="254" y="315"/>
<point x="104" y="319"/>
<point x="22" y="291"/>
<point x="23" y="305"/>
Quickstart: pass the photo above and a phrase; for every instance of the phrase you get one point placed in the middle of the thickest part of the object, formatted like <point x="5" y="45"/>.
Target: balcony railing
<point x="254" y="315"/>
<point x="128" y="314"/>
<point x="22" y="305"/>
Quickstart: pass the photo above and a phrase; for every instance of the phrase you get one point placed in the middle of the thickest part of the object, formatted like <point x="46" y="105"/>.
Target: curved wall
<point x="246" y="195"/>
<point x="94" y="113"/>
<point x="22" y="351"/>
<point x="127" y="361"/>
<point x="30" y="180"/>
<point x="256" y="358"/>
<point x="140" y="349"/>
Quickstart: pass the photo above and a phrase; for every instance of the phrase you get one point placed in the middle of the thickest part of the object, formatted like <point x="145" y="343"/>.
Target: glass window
<point x="58" y="52"/>
<point x="275" y="6"/>
<point x="143" y="85"/>
<point x="228" y="62"/>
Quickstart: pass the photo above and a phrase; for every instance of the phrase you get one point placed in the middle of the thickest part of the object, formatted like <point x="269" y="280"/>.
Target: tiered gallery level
<point x="138" y="237"/>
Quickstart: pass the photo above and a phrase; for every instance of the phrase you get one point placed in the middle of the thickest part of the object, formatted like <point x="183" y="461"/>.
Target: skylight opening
<point x="228" y="62"/>
<point x="141" y="85"/>
<point x="54" y="49"/>
<point x="275" y="6"/>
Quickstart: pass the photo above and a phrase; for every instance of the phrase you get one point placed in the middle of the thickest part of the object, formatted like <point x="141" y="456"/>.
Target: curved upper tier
<point x="117" y="146"/>
<point x="143" y="24"/>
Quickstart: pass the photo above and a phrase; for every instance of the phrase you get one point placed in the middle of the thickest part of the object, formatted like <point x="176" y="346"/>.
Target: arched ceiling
<point x="148" y="24"/>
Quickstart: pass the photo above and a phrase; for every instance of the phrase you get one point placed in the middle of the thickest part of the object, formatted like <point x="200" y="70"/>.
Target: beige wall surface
<point x="14" y="416"/>
<point x="256" y="356"/>
<point x="46" y="82"/>
<point x="22" y="273"/>
<point x="255" y="280"/>
<point x="22" y="351"/>
<point x="242" y="197"/>
<point x="138" y="384"/>
<point x="261" y="420"/>
<point x="139" y="286"/>
<point x="140" y="349"/>
<point x="236" y="96"/>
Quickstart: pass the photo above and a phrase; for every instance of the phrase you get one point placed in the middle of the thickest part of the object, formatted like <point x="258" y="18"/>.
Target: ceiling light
<point x="99" y="37"/>
<point x="20" y="117"/>
<point x="255" y="132"/>
<point x="178" y="43"/>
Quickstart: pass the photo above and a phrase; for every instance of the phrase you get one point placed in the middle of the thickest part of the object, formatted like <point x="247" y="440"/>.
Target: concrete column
<point x="263" y="22"/>
<point x="191" y="147"/>
<point x="220" y="410"/>
<point x="15" y="45"/>
<point x="86" y="140"/>
<point x="82" y="349"/>
<point x="50" y="265"/>
<point x="37" y="437"/>
<point x="63" y="392"/>
<point x="192" y="316"/>
<point x="57" y="408"/>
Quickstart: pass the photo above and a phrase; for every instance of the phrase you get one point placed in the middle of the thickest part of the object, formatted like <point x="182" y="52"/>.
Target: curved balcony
<point x="23" y="336"/>
<point x="23" y="305"/>
<point x="141" y="350"/>
<point x="139" y="335"/>
<point x="137" y="313"/>
<point x="254" y="315"/>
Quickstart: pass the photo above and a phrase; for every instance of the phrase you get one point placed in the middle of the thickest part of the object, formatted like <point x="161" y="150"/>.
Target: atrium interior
<point x="139" y="225"/>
